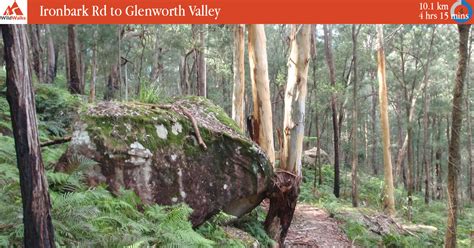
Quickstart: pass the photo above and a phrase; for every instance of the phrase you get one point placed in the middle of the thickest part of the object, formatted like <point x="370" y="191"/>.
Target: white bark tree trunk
<point x="238" y="105"/>
<point x="262" y="108"/>
<point x="389" y="201"/>
<point x="295" y="96"/>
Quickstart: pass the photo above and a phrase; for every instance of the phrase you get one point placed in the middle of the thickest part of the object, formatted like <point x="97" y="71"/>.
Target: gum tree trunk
<point x="262" y="126"/>
<point x="389" y="201"/>
<point x="238" y="105"/>
<point x="285" y="190"/>
<point x="38" y="228"/>
<point x="426" y="138"/>
<point x="374" y="125"/>
<point x="295" y="96"/>
<point x="355" y="154"/>
<point x="454" y="158"/>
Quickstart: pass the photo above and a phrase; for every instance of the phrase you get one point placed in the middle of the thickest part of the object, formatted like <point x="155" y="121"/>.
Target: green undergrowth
<point x="93" y="217"/>
<point x="370" y="194"/>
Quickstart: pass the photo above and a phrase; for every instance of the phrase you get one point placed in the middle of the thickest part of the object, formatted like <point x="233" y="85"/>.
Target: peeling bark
<point x="238" y="103"/>
<point x="262" y="111"/>
<point x="389" y="200"/>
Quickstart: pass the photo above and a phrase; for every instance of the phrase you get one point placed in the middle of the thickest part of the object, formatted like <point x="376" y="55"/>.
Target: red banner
<point x="237" y="11"/>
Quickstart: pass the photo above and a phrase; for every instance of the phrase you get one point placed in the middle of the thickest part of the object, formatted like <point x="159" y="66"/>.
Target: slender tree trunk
<point x="157" y="64"/>
<point x="201" y="60"/>
<point x="432" y="158"/>
<point x="366" y="141"/>
<point x="469" y="144"/>
<point x="118" y="80"/>
<point x="93" y="76"/>
<point x="355" y="154"/>
<point x="419" y="164"/>
<point x="410" y="172"/>
<point x="36" y="51"/>
<point x="317" y="161"/>
<point x="238" y="104"/>
<point x="335" y="125"/>
<point x="283" y="201"/>
<point x="470" y="167"/>
<point x="74" y="79"/>
<point x="66" y="63"/>
<point x="138" y="87"/>
<point x="38" y="227"/>
<point x="400" y="171"/>
<point x="426" y="138"/>
<point x="56" y="62"/>
<point x="83" y="67"/>
<point x="389" y="201"/>
<point x="374" y="138"/>
<point x="94" y="69"/>
<point x="113" y="85"/>
<point x="183" y="76"/>
<point x="125" y="79"/>
<point x="114" y="79"/>
<point x="438" y="154"/>
<point x="262" y="127"/>
<point x="51" y="72"/>
<point x="454" y="158"/>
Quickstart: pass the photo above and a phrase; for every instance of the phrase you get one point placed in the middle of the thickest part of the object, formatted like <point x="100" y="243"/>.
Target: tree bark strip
<point x="51" y="68"/>
<point x="262" y="112"/>
<point x="389" y="201"/>
<point x="74" y="70"/>
<point x="355" y="154"/>
<point x="38" y="227"/>
<point x="238" y="103"/>
<point x="454" y="158"/>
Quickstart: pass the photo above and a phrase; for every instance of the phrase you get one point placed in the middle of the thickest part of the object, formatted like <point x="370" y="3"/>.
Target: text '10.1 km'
<point x="434" y="11"/>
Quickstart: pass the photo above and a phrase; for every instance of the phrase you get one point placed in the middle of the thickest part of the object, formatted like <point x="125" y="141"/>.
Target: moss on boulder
<point x="154" y="150"/>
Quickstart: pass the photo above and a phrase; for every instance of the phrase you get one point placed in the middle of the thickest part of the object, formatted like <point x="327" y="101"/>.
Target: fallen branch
<point x="196" y="128"/>
<point x="56" y="141"/>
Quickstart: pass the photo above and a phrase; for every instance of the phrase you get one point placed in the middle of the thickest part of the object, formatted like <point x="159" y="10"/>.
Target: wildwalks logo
<point x="461" y="11"/>
<point x="14" y="12"/>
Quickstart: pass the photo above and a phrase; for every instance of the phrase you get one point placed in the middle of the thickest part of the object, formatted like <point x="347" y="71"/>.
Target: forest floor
<point x="313" y="227"/>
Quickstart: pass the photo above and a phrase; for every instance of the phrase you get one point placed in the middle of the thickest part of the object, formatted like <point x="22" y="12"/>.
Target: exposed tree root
<point x="196" y="128"/>
<point x="283" y="196"/>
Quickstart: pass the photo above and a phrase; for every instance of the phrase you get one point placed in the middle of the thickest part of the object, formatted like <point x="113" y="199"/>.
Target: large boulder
<point x="156" y="151"/>
<point x="309" y="156"/>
